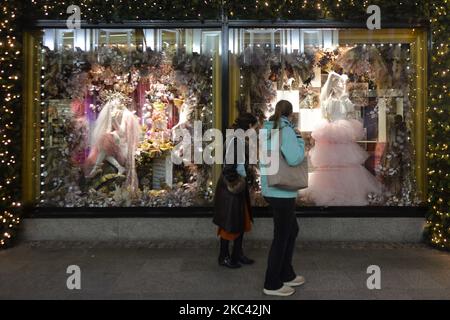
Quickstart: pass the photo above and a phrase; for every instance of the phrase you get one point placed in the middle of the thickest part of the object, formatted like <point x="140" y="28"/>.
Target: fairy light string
<point x="438" y="129"/>
<point x="10" y="107"/>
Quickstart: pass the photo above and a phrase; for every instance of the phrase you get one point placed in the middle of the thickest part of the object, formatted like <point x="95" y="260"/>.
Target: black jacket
<point x="229" y="207"/>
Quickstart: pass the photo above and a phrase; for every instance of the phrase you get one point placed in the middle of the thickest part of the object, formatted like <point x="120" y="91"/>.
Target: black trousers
<point x="279" y="265"/>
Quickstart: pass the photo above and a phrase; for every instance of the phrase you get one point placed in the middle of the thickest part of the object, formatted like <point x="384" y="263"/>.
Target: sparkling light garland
<point x="438" y="128"/>
<point x="119" y="10"/>
<point x="10" y="106"/>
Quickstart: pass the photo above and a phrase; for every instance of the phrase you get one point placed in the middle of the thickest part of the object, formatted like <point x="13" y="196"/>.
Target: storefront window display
<point x="110" y="101"/>
<point x="106" y="102"/>
<point x="356" y="97"/>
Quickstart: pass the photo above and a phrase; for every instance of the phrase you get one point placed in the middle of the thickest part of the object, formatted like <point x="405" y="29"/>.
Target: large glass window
<point x="110" y="101"/>
<point x="357" y="100"/>
<point x="103" y="105"/>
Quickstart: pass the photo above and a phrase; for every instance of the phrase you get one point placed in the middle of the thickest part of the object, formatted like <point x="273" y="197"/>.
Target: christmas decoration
<point x="11" y="12"/>
<point x="438" y="129"/>
<point x="10" y="115"/>
<point x="396" y="169"/>
<point x="166" y="89"/>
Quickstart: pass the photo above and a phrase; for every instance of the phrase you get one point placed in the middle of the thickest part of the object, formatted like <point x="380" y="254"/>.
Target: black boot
<point x="238" y="254"/>
<point x="229" y="263"/>
<point x="224" y="256"/>
<point x="224" y="249"/>
<point x="245" y="260"/>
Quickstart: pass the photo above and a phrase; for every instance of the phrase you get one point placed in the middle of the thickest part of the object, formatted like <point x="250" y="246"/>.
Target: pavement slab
<point x="179" y="270"/>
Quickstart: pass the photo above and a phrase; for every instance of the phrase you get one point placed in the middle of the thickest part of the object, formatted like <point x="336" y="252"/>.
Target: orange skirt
<point x="233" y="236"/>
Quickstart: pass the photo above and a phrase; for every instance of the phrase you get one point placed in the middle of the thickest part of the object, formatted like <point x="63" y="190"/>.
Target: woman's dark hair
<point x="282" y="108"/>
<point x="244" y="121"/>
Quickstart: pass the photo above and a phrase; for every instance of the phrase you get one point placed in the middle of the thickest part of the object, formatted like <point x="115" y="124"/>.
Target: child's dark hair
<point x="244" y="121"/>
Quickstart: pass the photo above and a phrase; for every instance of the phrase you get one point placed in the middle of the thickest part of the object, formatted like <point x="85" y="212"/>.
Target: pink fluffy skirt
<point x="339" y="177"/>
<point x="341" y="186"/>
<point x="337" y="154"/>
<point x="339" y="131"/>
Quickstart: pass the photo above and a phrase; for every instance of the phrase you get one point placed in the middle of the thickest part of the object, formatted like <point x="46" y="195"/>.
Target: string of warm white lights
<point x="10" y="61"/>
<point x="438" y="123"/>
<point x="119" y="10"/>
<point x="41" y="144"/>
<point x="438" y="128"/>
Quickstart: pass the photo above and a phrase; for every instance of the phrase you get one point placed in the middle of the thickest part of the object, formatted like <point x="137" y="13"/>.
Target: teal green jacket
<point x="293" y="150"/>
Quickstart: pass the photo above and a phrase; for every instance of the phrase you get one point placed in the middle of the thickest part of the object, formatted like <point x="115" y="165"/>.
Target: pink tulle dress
<point x="339" y="177"/>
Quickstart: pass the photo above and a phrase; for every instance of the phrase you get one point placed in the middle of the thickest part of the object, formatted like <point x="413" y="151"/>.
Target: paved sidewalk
<point x="188" y="270"/>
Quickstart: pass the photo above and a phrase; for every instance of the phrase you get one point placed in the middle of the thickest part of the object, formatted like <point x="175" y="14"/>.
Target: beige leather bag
<point x="288" y="177"/>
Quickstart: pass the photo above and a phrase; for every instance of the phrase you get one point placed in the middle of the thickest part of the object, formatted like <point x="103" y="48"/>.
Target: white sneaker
<point x="298" y="281"/>
<point x="284" y="291"/>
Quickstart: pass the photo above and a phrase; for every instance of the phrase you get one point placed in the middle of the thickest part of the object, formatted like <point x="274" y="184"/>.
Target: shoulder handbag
<point x="288" y="177"/>
<point x="237" y="186"/>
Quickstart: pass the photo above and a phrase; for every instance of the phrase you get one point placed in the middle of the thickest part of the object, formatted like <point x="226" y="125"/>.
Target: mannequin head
<point x="338" y="87"/>
<point x="334" y="86"/>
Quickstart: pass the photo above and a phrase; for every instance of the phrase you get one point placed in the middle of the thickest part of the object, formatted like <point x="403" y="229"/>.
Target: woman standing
<point x="280" y="275"/>
<point x="233" y="213"/>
